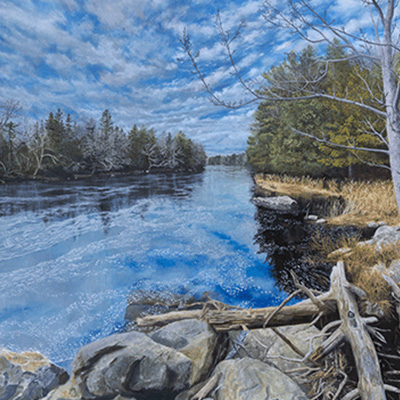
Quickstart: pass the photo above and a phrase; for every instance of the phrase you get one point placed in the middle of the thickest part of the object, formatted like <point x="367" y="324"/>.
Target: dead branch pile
<point x="340" y="304"/>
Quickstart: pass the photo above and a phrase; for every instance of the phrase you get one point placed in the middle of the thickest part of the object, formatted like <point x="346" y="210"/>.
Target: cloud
<point x="87" y="55"/>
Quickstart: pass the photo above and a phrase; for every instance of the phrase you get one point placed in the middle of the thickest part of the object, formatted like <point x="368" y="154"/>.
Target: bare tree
<point x="378" y="46"/>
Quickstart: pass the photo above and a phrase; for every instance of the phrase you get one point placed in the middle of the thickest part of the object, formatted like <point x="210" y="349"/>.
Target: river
<point x="71" y="252"/>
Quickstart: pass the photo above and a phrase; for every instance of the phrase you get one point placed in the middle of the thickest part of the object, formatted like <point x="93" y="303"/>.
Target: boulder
<point x="68" y="391"/>
<point x="128" y="364"/>
<point x="142" y="302"/>
<point x="282" y="204"/>
<point x="265" y="345"/>
<point x="164" y="362"/>
<point x="28" y="376"/>
<point x="249" y="379"/>
<point x="196" y="340"/>
<point x="385" y="235"/>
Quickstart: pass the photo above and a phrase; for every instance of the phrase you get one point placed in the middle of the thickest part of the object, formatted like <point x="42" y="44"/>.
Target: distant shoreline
<point x="70" y="177"/>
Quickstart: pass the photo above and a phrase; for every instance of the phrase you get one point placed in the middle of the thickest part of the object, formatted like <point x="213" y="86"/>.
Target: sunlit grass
<point x="364" y="201"/>
<point x="364" y="267"/>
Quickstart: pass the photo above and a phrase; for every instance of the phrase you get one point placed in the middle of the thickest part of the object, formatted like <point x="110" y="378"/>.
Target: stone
<point x="142" y="302"/>
<point x="131" y="364"/>
<point x="283" y="204"/>
<point x="195" y="339"/>
<point x="394" y="271"/>
<point x="265" y="345"/>
<point x="320" y="221"/>
<point x="249" y="379"/>
<point x="385" y="235"/>
<point x="312" y="217"/>
<point x="68" y="391"/>
<point x="28" y="375"/>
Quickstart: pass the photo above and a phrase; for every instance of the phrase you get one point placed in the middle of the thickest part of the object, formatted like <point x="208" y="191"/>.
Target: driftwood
<point x="370" y="383"/>
<point x="224" y="320"/>
<point x="340" y="300"/>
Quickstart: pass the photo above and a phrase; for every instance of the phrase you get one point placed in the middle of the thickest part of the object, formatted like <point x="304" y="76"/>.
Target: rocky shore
<point x="188" y="359"/>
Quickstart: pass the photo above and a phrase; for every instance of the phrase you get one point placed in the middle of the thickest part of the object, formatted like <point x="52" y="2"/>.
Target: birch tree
<point x="378" y="46"/>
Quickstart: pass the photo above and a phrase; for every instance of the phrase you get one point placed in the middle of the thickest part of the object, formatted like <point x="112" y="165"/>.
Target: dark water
<point x="70" y="253"/>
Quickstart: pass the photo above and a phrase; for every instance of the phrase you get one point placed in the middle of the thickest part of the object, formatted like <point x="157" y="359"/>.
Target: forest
<point x="59" y="147"/>
<point x="278" y="142"/>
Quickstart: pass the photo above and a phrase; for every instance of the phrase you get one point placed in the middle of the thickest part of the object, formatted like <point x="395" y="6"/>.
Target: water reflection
<point x="71" y="253"/>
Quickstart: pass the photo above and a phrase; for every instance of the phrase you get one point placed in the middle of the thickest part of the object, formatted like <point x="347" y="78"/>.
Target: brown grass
<point x="364" y="264"/>
<point x="364" y="201"/>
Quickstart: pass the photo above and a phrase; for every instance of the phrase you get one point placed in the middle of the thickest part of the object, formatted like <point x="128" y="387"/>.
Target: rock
<point x="249" y="379"/>
<point x="68" y="391"/>
<point x="283" y="204"/>
<point x="134" y="311"/>
<point x="312" y="217"/>
<point x="129" y="364"/>
<point x="196" y="340"/>
<point x="142" y="302"/>
<point x="394" y="271"/>
<point x="162" y="363"/>
<point x="28" y="376"/>
<point x="385" y="235"/>
<point x="265" y="345"/>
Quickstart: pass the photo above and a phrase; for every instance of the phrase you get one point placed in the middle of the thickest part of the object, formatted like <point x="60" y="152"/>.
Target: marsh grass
<point x="364" y="264"/>
<point x="364" y="201"/>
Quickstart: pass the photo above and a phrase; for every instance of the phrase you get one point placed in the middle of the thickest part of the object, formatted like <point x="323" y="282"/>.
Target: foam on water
<point x="71" y="253"/>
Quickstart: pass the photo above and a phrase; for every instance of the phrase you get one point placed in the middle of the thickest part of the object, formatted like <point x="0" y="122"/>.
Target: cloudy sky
<point x="84" y="56"/>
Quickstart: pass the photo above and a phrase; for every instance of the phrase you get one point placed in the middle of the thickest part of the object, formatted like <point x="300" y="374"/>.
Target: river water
<point x="71" y="252"/>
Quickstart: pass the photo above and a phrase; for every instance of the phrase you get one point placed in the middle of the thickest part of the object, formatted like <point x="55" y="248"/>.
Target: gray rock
<point x="265" y="345"/>
<point x="196" y="340"/>
<point x="134" y="311"/>
<point x="283" y="204"/>
<point x="312" y="217"/>
<point x="385" y="235"/>
<point x="320" y="221"/>
<point x="130" y="364"/>
<point x="28" y="376"/>
<point x="68" y="391"/>
<point x="394" y="271"/>
<point x="249" y="379"/>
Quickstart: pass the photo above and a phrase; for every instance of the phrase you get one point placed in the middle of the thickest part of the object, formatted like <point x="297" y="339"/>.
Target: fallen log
<point x="224" y="320"/>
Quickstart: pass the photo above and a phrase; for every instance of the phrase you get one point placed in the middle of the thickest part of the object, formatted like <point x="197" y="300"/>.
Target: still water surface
<point x="70" y="253"/>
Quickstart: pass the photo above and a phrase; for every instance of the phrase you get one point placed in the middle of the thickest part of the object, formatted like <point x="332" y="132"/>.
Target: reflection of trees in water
<point x="64" y="200"/>
<point x="287" y="242"/>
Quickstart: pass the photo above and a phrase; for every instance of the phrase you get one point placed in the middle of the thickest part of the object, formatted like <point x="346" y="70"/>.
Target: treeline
<point x="283" y="135"/>
<point x="231" y="159"/>
<point x="60" y="146"/>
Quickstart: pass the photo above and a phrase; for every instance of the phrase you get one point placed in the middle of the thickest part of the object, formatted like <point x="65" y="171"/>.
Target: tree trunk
<point x="391" y="99"/>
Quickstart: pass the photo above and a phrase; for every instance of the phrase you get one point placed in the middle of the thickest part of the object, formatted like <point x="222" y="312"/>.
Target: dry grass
<point x="295" y="186"/>
<point x="364" y="267"/>
<point x="364" y="264"/>
<point x="364" y="201"/>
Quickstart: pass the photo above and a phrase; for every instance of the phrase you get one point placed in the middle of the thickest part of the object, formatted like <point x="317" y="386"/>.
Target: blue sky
<point x="84" y="56"/>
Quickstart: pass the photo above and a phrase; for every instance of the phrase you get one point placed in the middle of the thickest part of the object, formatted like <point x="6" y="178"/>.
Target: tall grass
<point x="365" y="201"/>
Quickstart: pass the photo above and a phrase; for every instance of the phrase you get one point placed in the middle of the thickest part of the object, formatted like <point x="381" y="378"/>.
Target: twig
<point x="294" y="294"/>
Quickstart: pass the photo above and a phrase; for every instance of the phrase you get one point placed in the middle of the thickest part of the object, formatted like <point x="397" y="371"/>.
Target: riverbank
<point x="356" y="203"/>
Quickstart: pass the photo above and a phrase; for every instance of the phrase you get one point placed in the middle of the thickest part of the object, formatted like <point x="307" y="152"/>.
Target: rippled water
<point x="70" y="253"/>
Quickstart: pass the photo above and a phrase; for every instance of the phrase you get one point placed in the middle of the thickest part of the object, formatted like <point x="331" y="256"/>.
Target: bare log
<point x="370" y="383"/>
<point x="235" y="319"/>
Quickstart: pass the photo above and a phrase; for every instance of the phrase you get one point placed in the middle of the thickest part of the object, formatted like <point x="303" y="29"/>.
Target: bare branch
<point x="342" y="146"/>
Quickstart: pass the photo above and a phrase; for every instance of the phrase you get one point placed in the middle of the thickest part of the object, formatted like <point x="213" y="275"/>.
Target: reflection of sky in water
<point x="70" y="253"/>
